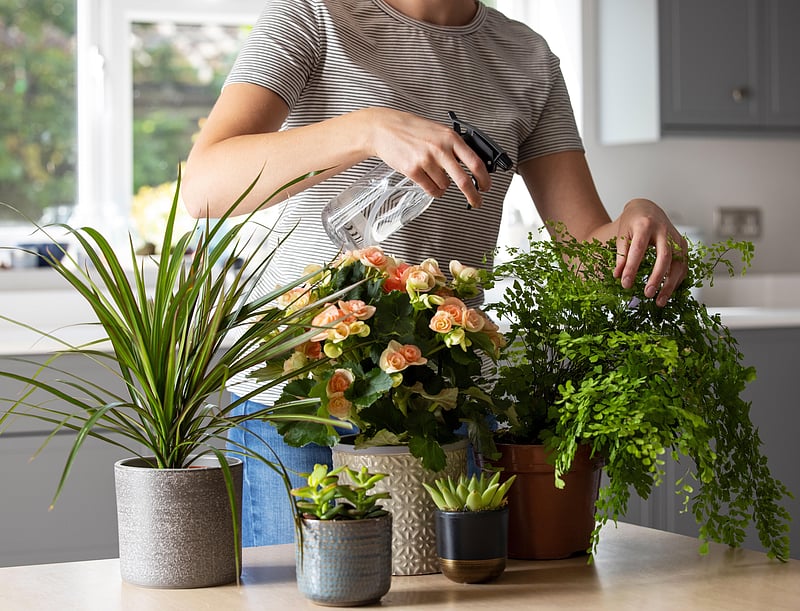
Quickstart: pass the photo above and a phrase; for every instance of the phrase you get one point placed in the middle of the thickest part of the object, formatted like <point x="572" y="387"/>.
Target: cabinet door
<point x="782" y="51"/>
<point x="710" y="64"/>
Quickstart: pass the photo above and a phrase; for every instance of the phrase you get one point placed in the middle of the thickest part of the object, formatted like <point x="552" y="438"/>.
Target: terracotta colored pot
<point x="544" y="522"/>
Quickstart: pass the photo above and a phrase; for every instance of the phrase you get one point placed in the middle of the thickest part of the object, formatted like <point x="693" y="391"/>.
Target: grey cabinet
<point x="83" y="523"/>
<point x="729" y="65"/>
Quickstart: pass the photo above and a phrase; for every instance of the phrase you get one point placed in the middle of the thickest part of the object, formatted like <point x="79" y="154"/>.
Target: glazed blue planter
<point x="345" y="563"/>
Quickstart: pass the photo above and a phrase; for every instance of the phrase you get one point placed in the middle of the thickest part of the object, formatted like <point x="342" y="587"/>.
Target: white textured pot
<point x="413" y="511"/>
<point x="175" y="527"/>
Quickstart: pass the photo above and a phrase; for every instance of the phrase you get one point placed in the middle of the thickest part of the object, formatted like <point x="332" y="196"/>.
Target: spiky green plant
<point x="173" y="346"/>
<point x="476" y="493"/>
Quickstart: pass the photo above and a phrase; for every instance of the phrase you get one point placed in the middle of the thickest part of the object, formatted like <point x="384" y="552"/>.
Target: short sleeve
<point x="282" y="50"/>
<point x="556" y="130"/>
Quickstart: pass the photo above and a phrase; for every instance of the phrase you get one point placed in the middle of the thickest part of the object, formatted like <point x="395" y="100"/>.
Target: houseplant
<point x="594" y="365"/>
<point x="400" y="359"/>
<point x="471" y="526"/>
<point x="344" y="538"/>
<point x="165" y="343"/>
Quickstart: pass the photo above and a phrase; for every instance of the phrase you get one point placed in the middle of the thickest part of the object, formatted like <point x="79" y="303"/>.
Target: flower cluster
<point x="395" y="350"/>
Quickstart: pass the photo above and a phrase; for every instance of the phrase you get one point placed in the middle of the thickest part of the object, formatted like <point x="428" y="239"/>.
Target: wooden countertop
<point x="635" y="568"/>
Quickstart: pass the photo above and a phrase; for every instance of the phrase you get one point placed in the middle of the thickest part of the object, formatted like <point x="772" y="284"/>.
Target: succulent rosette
<point x="399" y="354"/>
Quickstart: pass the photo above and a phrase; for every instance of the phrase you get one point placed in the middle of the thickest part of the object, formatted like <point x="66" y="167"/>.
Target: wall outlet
<point x="738" y="223"/>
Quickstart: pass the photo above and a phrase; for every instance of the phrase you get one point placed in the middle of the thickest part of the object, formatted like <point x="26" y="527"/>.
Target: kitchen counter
<point x="635" y="568"/>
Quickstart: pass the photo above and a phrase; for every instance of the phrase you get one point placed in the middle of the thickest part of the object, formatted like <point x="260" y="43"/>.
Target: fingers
<point x="676" y="253"/>
<point x="630" y="252"/>
<point x="669" y="270"/>
<point x="642" y="225"/>
<point x="431" y="154"/>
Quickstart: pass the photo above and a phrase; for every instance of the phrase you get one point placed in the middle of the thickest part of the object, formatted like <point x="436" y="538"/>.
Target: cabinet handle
<point x="739" y="94"/>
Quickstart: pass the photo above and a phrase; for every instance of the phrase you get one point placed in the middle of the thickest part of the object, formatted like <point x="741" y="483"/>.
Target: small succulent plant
<point x="325" y="498"/>
<point x="477" y="493"/>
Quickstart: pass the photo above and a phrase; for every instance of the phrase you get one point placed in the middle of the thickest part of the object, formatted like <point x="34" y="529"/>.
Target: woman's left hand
<point x="641" y="224"/>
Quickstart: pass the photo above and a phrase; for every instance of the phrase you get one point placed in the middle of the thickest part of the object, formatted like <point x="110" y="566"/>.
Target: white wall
<point x="692" y="176"/>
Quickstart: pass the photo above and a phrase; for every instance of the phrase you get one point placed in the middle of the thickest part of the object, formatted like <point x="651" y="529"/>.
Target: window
<point x="100" y="100"/>
<point x="149" y="72"/>
<point x="38" y="153"/>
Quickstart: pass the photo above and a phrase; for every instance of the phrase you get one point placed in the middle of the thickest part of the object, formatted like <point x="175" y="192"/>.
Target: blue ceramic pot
<point x="345" y="562"/>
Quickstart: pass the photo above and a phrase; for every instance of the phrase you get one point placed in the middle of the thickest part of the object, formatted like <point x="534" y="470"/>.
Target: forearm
<point x="217" y="173"/>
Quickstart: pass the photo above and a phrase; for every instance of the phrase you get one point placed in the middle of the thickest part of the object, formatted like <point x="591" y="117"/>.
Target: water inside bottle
<point x="364" y="215"/>
<point x="399" y="205"/>
<point x="346" y="222"/>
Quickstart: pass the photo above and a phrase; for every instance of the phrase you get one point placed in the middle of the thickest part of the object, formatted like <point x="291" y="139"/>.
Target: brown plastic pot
<point x="545" y="522"/>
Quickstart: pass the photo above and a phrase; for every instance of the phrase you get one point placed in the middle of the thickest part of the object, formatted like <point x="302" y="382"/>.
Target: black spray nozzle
<point x="492" y="155"/>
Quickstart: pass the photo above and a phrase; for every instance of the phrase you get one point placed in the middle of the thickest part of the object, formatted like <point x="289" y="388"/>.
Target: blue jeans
<point x="267" y="509"/>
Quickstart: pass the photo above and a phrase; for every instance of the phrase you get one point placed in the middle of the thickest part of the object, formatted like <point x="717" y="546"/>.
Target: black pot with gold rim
<point x="472" y="545"/>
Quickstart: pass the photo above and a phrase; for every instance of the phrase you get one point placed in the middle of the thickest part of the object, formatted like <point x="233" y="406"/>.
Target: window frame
<point x="105" y="101"/>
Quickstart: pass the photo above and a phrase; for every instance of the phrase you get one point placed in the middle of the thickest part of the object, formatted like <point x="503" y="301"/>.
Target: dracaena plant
<point x="590" y="362"/>
<point x="173" y="345"/>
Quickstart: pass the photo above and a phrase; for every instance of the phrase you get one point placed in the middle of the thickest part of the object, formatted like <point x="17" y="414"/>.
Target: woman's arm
<point x="241" y="139"/>
<point x="563" y="190"/>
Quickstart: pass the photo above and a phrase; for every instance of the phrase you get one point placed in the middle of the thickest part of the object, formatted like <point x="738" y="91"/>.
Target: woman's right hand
<point x="431" y="154"/>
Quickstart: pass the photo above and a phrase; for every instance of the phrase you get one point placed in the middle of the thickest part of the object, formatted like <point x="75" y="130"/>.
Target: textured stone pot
<point x="175" y="526"/>
<point x="345" y="563"/>
<point x="544" y="522"/>
<point x="472" y="545"/>
<point x="413" y="511"/>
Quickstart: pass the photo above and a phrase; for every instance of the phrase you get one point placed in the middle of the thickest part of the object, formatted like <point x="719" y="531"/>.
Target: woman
<point x="338" y="85"/>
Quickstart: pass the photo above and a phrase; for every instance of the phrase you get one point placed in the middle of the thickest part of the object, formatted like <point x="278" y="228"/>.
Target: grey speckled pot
<point x="175" y="527"/>
<point x="345" y="563"/>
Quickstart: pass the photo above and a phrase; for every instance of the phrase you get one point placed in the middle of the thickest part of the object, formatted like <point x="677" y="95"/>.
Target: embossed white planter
<point x="175" y="527"/>
<point x="413" y="511"/>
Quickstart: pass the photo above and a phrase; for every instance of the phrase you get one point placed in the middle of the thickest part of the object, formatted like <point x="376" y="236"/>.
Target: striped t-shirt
<point x="328" y="57"/>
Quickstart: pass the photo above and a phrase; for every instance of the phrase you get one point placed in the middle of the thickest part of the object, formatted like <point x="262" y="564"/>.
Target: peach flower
<point x="394" y="280"/>
<point x="295" y="298"/>
<point x="339" y="406"/>
<point x="339" y="332"/>
<point x="357" y="309"/>
<point x="441" y="322"/>
<point x="325" y="319"/>
<point x="373" y="256"/>
<point x="412" y="354"/>
<point x="417" y="279"/>
<point x="313" y="350"/>
<point x="340" y="381"/>
<point x="473" y="320"/>
<point x="455" y="307"/>
<point x="392" y="361"/>
<point x="397" y="357"/>
<point x="432" y="267"/>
